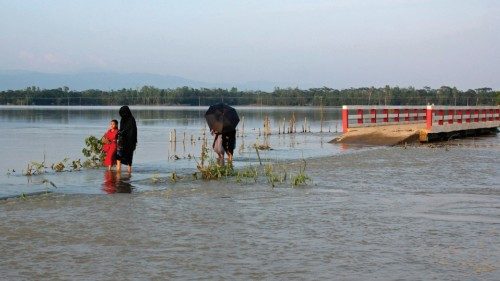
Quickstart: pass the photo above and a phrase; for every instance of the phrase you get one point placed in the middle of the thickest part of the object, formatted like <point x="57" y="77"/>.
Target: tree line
<point x="148" y="95"/>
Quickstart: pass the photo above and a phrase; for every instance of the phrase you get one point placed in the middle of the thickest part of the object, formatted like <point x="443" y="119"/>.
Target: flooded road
<point x="381" y="214"/>
<point x="419" y="212"/>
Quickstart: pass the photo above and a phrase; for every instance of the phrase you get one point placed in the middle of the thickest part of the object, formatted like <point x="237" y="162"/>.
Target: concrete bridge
<point x="393" y="124"/>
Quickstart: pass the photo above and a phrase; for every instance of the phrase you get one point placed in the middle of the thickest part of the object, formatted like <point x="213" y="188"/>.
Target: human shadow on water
<point x="115" y="182"/>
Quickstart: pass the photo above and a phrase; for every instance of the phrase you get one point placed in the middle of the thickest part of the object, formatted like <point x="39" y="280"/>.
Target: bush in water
<point x="93" y="152"/>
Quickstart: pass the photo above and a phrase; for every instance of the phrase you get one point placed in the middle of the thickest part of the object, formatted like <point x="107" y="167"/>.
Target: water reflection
<point x="251" y="117"/>
<point x="116" y="182"/>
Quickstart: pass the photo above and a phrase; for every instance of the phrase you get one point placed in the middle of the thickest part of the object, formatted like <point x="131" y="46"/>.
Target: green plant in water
<point x="214" y="171"/>
<point x="76" y="165"/>
<point x="247" y="172"/>
<point x="272" y="177"/>
<point x="204" y="155"/>
<point x="174" y="177"/>
<point x="35" y="168"/>
<point x="93" y="152"/>
<point x="301" y="178"/>
<point x="155" y="178"/>
<point x="59" y="167"/>
<point x="39" y="167"/>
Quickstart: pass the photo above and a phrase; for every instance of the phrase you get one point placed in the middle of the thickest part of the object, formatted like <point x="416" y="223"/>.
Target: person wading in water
<point x="127" y="139"/>
<point x="109" y="144"/>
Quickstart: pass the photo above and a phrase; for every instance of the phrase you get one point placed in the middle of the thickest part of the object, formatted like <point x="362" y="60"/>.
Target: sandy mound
<point x="382" y="135"/>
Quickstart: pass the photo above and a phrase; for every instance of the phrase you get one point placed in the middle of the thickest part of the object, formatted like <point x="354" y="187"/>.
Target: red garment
<point x="110" y="148"/>
<point x="109" y="185"/>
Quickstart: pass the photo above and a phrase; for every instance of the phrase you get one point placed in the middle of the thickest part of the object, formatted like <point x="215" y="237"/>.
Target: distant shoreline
<point x="185" y="96"/>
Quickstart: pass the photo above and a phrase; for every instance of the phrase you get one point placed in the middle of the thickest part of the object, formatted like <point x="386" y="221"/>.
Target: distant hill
<point x="20" y="79"/>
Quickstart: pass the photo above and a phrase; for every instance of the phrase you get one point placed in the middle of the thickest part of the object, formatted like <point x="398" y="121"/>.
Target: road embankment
<point x="382" y="135"/>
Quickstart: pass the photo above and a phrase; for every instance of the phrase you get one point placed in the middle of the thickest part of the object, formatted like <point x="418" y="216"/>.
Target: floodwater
<point x="421" y="212"/>
<point x="52" y="134"/>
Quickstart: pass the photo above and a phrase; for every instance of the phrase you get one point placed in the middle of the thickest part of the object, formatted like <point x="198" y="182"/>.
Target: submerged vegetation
<point x="92" y="150"/>
<point x="148" y="95"/>
<point x="38" y="168"/>
<point x="249" y="172"/>
<point x="35" y="168"/>
<point x="273" y="177"/>
<point x="211" y="169"/>
<point x="214" y="171"/>
<point x="207" y="168"/>
<point x="274" y="174"/>
<point x="300" y="178"/>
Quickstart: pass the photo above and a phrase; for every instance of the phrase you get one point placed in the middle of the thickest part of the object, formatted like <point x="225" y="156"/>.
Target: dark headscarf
<point x="128" y="128"/>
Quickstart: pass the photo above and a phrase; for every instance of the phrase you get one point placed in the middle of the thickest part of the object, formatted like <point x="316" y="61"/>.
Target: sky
<point x="313" y="43"/>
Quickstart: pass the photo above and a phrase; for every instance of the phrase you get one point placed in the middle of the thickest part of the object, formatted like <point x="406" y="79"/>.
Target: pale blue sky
<point x="340" y="44"/>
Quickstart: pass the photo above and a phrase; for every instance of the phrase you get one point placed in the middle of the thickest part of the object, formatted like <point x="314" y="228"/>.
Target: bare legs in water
<point x="119" y="167"/>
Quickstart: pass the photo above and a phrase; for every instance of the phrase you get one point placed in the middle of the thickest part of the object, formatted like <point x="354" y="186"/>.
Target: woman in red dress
<point x="109" y="144"/>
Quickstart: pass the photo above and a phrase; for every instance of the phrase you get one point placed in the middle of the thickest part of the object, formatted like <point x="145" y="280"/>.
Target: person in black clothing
<point x="127" y="139"/>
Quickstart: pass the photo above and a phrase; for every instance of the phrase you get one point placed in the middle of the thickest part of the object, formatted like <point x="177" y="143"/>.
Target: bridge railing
<point x="449" y="118"/>
<point x="433" y="116"/>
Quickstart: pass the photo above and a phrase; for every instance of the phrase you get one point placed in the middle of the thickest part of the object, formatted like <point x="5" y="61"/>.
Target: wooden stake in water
<point x="292" y="127"/>
<point x="267" y="126"/>
<point x="321" y="114"/>
<point x="242" y="126"/>
<point x="173" y="147"/>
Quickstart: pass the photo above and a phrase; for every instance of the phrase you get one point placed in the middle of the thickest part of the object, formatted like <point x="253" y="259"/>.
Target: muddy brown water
<point x="382" y="214"/>
<point x="420" y="212"/>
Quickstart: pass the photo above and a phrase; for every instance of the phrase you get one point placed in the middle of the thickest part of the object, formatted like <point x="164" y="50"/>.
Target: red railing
<point x="467" y="116"/>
